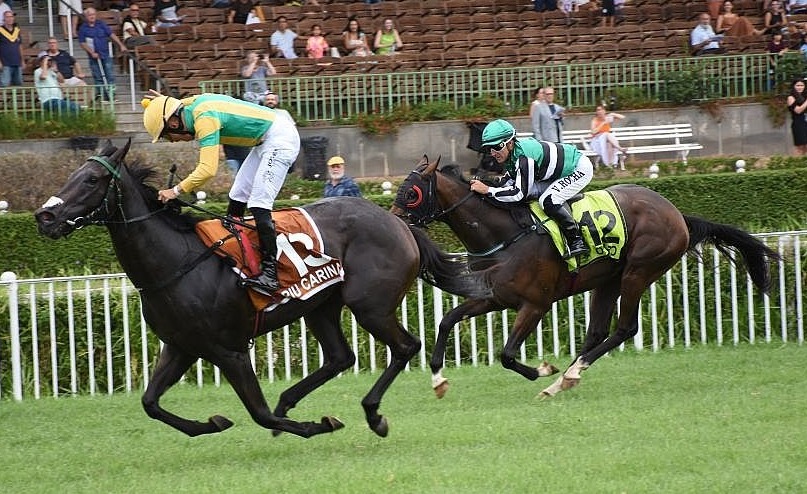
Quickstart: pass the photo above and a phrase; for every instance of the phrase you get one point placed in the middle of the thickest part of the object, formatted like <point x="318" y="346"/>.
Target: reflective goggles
<point x="499" y="147"/>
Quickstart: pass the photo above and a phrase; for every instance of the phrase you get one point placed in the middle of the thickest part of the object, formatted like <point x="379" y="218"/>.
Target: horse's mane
<point x="454" y="172"/>
<point x="146" y="175"/>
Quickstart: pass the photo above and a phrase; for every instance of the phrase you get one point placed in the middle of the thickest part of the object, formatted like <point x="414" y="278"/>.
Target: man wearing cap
<point x="214" y="120"/>
<point x="548" y="172"/>
<point x="339" y="184"/>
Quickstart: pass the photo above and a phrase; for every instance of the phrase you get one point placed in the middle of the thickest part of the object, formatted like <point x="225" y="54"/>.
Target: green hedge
<point x="758" y="201"/>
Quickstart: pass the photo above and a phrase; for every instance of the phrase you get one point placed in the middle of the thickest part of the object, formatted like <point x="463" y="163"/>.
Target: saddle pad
<point x="601" y="224"/>
<point x="303" y="268"/>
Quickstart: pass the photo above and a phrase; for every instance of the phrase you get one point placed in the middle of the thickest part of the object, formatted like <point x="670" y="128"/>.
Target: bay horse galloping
<point x="192" y="300"/>
<point x="527" y="274"/>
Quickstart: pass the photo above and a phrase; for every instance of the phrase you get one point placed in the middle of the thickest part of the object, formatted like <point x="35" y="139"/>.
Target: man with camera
<point x="47" y="80"/>
<point x="67" y="65"/>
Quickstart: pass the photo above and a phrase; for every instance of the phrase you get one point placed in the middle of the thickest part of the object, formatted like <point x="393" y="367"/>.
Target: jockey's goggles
<point x="500" y="146"/>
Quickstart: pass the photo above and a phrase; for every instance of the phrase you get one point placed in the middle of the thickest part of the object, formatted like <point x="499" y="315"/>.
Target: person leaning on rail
<point x="213" y="120"/>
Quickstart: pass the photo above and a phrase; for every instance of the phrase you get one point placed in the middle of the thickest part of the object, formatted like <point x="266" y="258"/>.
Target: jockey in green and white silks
<point x="548" y="172"/>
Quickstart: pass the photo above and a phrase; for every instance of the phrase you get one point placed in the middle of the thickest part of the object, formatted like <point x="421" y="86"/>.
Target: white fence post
<point x="13" y="309"/>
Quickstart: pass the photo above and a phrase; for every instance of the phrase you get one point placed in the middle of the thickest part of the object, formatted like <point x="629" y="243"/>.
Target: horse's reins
<point x="103" y="208"/>
<point x="95" y="218"/>
<point x="435" y="212"/>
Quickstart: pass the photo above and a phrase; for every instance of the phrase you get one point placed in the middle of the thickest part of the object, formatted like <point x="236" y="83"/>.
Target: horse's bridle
<point x="425" y="209"/>
<point x="102" y="214"/>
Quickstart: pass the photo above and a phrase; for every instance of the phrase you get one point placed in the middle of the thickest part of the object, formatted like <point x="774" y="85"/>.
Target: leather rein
<point x="433" y="212"/>
<point x="102" y="215"/>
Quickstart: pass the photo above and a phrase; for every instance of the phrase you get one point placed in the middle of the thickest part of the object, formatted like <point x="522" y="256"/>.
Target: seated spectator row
<point x="443" y="34"/>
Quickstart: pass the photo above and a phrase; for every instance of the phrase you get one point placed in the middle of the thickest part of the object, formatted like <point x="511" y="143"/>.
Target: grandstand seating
<point x="438" y="34"/>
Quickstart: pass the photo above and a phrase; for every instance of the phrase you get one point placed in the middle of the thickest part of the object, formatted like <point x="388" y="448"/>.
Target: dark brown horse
<point x="527" y="273"/>
<point x="192" y="300"/>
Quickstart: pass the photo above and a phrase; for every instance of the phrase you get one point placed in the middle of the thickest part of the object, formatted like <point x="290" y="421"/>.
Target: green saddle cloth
<point x="601" y="224"/>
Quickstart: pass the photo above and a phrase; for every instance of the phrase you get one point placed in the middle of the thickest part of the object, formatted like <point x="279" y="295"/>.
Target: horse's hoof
<point x="334" y="423"/>
<point x="382" y="429"/>
<point x="441" y="389"/>
<point x="222" y="423"/>
<point x="545" y="395"/>
<point x="569" y="383"/>
<point x="547" y="369"/>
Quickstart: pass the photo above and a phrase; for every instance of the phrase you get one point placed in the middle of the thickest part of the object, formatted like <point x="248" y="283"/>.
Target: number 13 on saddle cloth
<point x="303" y="267"/>
<point x="602" y="226"/>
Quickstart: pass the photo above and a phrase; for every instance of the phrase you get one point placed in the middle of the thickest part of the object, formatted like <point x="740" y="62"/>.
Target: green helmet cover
<point x="497" y="131"/>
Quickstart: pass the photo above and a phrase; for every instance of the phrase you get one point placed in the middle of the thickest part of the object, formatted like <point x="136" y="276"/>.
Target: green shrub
<point x="763" y="199"/>
<point x="49" y="125"/>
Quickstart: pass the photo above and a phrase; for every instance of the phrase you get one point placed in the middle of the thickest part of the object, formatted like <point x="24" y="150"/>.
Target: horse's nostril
<point x="44" y="217"/>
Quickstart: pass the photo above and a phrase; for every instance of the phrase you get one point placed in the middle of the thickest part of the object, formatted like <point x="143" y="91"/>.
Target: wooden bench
<point x="673" y="138"/>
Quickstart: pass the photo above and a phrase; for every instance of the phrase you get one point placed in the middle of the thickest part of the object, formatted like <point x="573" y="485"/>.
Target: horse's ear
<point x="107" y="149"/>
<point x="423" y="161"/>
<point x="121" y="153"/>
<point x="432" y="166"/>
<point x="438" y="159"/>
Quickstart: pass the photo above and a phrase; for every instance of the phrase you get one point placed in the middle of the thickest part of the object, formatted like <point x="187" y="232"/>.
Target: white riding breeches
<point x="563" y="189"/>
<point x="264" y="170"/>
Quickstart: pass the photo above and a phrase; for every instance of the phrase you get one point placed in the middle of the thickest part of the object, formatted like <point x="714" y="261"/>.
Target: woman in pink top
<point x="316" y="47"/>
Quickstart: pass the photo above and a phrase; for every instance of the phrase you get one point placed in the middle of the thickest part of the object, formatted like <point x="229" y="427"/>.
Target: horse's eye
<point x="92" y="180"/>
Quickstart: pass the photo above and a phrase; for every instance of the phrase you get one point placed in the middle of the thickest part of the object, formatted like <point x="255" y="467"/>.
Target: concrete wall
<point x="743" y="130"/>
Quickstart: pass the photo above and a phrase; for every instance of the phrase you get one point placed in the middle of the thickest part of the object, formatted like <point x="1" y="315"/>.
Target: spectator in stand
<point x="542" y="5"/>
<point x="239" y="11"/>
<point x="67" y="66"/>
<point x="603" y="142"/>
<point x="387" y="39"/>
<point x="12" y="60"/>
<point x="354" y="40"/>
<point x="166" y="13"/>
<point x="731" y="24"/>
<point x="801" y="39"/>
<point x="316" y="46"/>
<point x="549" y="117"/>
<point x="608" y="10"/>
<point x="775" y="18"/>
<point x="134" y="29"/>
<point x="534" y="116"/>
<point x="281" y="44"/>
<point x="776" y="46"/>
<point x="47" y="80"/>
<point x="94" y="36"/>
<point x="339" y="184"/>
<point x="797" y="104"/>
<point x="75" y="5"/>
<point x="703" y="40"/>
<point x="255" y="71"/>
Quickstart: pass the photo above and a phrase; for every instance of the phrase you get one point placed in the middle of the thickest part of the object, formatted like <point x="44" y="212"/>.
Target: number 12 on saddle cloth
<point x="601" y="224"/>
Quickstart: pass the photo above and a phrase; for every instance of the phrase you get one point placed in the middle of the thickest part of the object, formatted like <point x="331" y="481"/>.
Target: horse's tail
<point x="448" y="272"/>
<point x="756" y="256"/>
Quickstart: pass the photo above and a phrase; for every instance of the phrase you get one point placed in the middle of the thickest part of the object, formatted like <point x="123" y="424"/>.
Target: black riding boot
<point x="236" y="209"/>
<point x="266" y="281"/>
<point x="570" y="230"/>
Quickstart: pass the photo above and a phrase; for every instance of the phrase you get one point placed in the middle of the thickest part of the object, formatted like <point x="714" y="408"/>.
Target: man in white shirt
<point x="702" y="40"/>
<point x="281" y="43"/>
